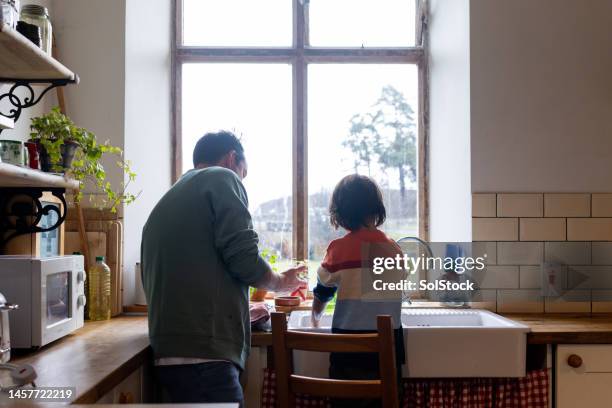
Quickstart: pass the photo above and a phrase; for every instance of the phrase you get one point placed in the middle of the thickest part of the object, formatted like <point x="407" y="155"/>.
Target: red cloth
<point x="530" y="391"/>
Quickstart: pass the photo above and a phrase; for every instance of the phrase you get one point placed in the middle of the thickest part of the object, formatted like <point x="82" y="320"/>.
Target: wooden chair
<point x="288" y="384"/>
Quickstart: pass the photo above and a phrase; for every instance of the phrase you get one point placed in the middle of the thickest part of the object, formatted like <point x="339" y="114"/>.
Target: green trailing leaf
<point x="271" y="257"/>
<point x="55" y="129"/>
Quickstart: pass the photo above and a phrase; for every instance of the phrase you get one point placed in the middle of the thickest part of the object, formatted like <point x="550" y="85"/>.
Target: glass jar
<point x="39" y="16"/>
<point x="9" y="13"/>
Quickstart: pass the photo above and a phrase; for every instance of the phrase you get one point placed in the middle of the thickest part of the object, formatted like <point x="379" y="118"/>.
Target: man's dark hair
<point x="214" y="145"/>
<point x="356" y="202"/>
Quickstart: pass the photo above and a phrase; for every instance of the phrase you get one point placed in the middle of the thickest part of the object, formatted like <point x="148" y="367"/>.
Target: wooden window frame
<point x="299" y="55"/>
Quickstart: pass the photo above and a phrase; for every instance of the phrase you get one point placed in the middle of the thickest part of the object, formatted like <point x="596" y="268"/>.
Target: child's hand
<point x="315" y="319"/>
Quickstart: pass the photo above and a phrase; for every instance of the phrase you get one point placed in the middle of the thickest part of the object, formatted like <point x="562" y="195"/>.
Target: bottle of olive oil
<point x="99" y="290"/>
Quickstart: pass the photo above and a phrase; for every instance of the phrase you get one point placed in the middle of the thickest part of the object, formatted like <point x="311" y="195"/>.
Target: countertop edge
<point x="112" y="379"/>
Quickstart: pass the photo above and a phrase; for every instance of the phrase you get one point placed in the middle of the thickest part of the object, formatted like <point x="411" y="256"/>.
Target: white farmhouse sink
<point x="440" y="343"/>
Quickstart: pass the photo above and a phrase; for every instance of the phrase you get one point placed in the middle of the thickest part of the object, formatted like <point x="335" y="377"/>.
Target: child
<point x="357" y="207"/>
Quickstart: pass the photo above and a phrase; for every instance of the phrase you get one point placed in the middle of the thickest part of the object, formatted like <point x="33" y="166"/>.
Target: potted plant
<point x="66" y="148"/>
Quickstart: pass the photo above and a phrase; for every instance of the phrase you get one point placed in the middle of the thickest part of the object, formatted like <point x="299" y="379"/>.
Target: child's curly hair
<point x="356" y="202"/>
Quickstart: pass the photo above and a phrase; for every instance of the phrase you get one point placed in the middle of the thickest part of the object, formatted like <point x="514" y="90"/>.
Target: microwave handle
<point x="81" y="300"/>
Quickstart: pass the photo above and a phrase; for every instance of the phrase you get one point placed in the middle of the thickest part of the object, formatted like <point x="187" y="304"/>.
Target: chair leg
<point x="388" y="369"/>
<point x="282" y="361"/>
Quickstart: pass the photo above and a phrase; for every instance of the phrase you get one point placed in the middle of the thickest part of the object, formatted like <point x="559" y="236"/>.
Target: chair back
<point x="288" y="384"/>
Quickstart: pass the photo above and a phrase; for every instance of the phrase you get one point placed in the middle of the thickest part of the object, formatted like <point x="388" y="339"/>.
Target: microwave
<point x="50" y="293"/>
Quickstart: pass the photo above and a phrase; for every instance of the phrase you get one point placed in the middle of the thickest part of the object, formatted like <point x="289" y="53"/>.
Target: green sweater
<point x="199" y="255"/>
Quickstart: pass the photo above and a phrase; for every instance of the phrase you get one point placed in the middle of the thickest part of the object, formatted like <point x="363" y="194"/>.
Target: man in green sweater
<point x="199" y="256"/>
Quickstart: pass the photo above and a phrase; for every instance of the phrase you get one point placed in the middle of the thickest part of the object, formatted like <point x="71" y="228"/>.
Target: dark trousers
<point x="216" y="381"/>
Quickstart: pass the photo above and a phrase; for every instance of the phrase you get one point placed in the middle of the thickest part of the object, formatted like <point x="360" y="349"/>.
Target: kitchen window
<point x="317" y="89"/>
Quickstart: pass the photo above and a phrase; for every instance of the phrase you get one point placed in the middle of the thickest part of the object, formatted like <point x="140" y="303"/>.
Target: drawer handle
<point x="574" y="361"/>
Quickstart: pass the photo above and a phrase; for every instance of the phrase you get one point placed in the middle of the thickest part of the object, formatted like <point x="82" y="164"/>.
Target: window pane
<point x="253" y="101"/>
<point x="357" y="23"/>
<point x="237" y="23"/>
<point x="362" y="118"/>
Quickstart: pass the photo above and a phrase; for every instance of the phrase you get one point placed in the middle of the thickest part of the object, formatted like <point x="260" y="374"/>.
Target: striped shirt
<point x="347" y="271"/>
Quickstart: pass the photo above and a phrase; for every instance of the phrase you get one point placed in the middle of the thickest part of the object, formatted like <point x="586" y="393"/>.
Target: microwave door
<point x="57" y="300"/>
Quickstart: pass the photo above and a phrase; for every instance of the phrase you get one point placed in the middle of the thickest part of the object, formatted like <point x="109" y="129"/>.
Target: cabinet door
<point x="252" y="376"/>
<point x="584" y="375"/>
<point x="128" y="391"/>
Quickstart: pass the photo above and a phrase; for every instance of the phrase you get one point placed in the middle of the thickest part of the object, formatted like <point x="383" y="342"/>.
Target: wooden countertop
<point x="566" y="329"/>
<point x="94" y="359"/>
<point x="97" y="357"/>
<point x="545" y="329"/>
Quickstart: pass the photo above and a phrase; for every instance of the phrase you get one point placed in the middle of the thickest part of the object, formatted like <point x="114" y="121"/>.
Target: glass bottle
<point x="99" y="290"/>
<point x="39" y="16"/>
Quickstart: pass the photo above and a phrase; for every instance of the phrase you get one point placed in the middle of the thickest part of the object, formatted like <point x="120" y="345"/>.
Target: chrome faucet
<point x="419" y="241"/>
<point x="447" y="300"/>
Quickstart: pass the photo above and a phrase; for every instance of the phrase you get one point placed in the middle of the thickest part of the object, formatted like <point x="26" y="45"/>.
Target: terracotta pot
<point x="259" y="295"/>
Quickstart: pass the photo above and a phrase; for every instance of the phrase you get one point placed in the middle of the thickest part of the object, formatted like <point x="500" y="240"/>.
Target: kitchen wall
<point x="522" y="231"/>
<point x="147" y="118"/>
<point x="540" y="103"/>
<point x="541" y="95"/>
<point x="22" y="127"/>
<point x="449" y="133"/>
<point x="121" y="51"/>
<point x="91" y="42"/>
<point x="90" y="39"/>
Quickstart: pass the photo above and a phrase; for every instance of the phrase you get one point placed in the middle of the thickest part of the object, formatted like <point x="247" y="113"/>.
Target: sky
<point x="254" y="100"/>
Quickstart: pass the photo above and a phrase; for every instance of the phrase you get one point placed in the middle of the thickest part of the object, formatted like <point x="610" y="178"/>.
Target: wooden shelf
<point x="15" y="176"/>
<point x="20" y="59"/>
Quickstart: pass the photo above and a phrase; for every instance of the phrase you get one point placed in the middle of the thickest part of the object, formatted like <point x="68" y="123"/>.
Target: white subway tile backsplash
<point x="542" y="229"/>
<point x="602" y="253"/>
<point x="574" y="301"/>
<point x="570" y="233"/>
<point x="602" y="205"/>
<point x="567" y="205"/>
<point x="520" y="205"/>
<point x="530" y="277"/>
<point x="484" y="205"/>
<point x="520" y="253"/>
<point x="487" y="250"/>
<point x="495" y="229"/>
<point x="520" y="301"/>
<point x="497" y="277"/>
<point x="568" y="253"/>
<point x="484" y="299"/>
<point x="589" y="229"/>
<point x="589" y="277"/>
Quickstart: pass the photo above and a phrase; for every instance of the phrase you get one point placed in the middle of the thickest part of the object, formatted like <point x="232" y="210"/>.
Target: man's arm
<point x="237" y="242"/>
<point x="282" y="282"/>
